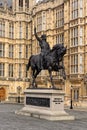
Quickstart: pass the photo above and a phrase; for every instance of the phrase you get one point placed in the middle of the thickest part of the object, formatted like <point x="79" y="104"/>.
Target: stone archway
<point x="2" y="94"/>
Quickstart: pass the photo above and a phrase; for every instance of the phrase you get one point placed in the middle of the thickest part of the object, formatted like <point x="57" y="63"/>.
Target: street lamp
<point x="71" y="105"/>
<point x="18" y="90"/>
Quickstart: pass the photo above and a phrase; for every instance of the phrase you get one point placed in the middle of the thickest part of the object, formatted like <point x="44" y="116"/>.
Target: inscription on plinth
<point x="36" y="101"/>
<point x="58" y="100"/>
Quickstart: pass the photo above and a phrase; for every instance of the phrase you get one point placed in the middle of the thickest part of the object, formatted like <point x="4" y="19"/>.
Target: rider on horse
<point x="45" y="48"/>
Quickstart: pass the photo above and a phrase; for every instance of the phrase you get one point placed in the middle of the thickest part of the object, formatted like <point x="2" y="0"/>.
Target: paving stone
<point x="10" y="121"/>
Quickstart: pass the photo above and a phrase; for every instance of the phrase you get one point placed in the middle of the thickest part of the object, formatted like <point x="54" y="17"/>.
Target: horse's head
<point x="60" y="50"/>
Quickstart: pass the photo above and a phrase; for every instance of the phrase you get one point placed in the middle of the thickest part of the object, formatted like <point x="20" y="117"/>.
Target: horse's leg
<point x="51" y="79"/>
<point x="35" y="76"/>
<point x="33" y="79"/>
<point x="61" y="67"/>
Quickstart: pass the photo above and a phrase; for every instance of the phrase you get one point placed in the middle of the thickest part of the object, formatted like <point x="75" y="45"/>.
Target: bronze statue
<point x="52" y="58"/>
<point x="45" y="48"/>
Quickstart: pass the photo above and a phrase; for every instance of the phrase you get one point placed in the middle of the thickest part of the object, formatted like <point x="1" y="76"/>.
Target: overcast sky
<point x="10" y="1"/>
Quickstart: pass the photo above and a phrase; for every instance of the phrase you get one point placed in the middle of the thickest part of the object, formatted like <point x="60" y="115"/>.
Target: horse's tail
<point x="29" y="63"/>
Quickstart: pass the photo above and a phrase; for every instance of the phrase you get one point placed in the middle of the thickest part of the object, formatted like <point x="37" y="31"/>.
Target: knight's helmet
<point x="43" y="37"/>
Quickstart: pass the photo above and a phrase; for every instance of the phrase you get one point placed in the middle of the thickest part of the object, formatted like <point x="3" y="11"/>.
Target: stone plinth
<point x="45" y="103"/>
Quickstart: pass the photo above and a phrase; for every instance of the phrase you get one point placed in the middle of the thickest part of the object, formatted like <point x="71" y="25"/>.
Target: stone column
<point x="7" y="91"/>
<point x="17" y="30"/>
<point x="24" y="5"/>
<point x="23" y="52"/>
<point x="23" y="29"/>
<point x="13" y="5"/>
<point x="17" y="5"/>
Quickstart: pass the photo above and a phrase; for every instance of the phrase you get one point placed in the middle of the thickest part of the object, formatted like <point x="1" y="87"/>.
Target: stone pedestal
<point x="45" y="103"/>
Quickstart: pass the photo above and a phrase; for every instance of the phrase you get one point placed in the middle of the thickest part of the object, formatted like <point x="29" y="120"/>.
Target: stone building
<point x="14" y="48"/>
<point x="63" y="21"/>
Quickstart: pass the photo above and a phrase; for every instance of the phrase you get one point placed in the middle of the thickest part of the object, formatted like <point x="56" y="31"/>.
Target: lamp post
<point x="71" y="105"/>
<point x="18" y="89"/>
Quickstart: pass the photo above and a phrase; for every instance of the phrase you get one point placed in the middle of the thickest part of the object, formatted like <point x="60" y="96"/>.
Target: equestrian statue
<point x="48" y="59"/>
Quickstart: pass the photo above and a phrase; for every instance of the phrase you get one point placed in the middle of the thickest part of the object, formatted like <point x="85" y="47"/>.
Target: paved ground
<point x="10" y="121"/>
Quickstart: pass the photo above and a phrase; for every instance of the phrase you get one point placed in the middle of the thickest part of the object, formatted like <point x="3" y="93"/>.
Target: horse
<point x="51" y="63"/>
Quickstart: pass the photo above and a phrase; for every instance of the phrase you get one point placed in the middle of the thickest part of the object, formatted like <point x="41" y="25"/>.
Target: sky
<point x="10" y="1"/>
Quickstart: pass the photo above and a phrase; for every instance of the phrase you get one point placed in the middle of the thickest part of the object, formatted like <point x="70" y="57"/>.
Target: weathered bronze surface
<point x="48" y="59"/>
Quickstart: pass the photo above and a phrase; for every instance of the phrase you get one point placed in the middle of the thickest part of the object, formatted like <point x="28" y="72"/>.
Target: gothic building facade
<point x="63" y="21"/>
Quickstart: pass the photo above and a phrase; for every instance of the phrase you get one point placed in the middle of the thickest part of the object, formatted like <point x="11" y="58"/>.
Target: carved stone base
<point x="46" y="104"/>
